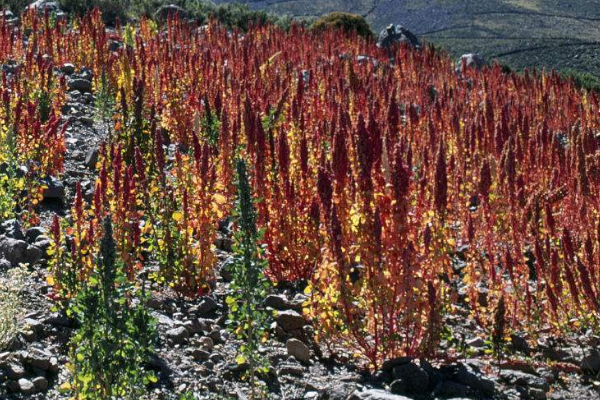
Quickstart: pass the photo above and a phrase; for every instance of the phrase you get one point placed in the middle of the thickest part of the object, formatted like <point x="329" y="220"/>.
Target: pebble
<point x="298" y="350"/>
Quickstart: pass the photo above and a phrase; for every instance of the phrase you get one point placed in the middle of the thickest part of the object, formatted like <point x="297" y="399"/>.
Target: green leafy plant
<point x="499" y="328"/>
<point x="116" y="336"/>
<point x="10" y="183"/>
<point x="248" y="319"/>
<point x="345" y="21"/>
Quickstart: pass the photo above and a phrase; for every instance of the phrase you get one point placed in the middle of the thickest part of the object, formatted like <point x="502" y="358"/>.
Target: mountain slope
<point x="522" y="33"/>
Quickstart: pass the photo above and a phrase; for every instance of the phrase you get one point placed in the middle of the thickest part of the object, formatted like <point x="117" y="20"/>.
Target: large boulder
<point x="169" y="10"/>
<point x="44" y="5"/>
<point x="52" y="7"/>
<point x="394" y="34"/>
<point x="19" y="252"/>
<point x="471" y="60"/>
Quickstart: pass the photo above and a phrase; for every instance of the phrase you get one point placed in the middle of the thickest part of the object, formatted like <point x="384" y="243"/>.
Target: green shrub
<point x="248" y="318"/>
<point x="231" y="15"/>
<point x="116" y="335"/>
<point x="583" y="80"/>
<point x="345" y="21"/>
<point x="111" y="9"/>
<point x="16" y="6"/>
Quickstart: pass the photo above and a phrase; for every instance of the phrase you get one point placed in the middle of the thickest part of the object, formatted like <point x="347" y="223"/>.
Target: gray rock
<point x="26" y="386"/>
<point x="472" y="60"/>
<point x="34" y="233"/>
<point x="12" y="229"/>
<point x="14" y="370"/>
<point x="388" y="365"/>
<point x="200" y="355"/>
<point x="169" y="10"/>
<point x="39" y="359"/>
<point x="34" y="324"/>
<point x="290" y="369"/>
<point x="281" y="303"/>
<point x="376" y="395"/>
<point x="206" y="343"/>
<point x="290" y="320"/>
<point x="518" y="343"/>
<point x="7" y="14"/>
<point x="216" y="336"/>
<point x="19" y="252"/>
<point x="43" y="243"/>
<point x="395" y="34"/>
<point x="80" y="84"/>
<point x="466" y="375"/>
<point x="206" y="306"/>
<point x="299" y="350"/>
<point x="449" y="389"/>
<point x="114" y="45"/>
<point x="476" y="343"/>
<point x="55" y="189"/>
<point x="67" y="69"/>
<point x="4" y="265"/>
<point x="178" y="335"/>
<point x="415" y="379"/>
<point x="44" y="5"/>
<point x="591" y="362"/>
<point x="518" y="378"/>
<point x="198" y="325"/>
<point x="40" y="383"/>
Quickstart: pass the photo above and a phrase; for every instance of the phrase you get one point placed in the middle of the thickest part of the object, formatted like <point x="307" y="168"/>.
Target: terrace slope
<point x="522" y="33"/>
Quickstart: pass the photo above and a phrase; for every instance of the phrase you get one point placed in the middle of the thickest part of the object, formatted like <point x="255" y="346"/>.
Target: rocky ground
<point x="197" y="354"/>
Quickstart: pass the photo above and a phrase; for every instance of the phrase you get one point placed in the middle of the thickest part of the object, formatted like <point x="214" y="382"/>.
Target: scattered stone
<point x="206" y="306"/>
<point x="299" y="350"/>
<point x="376" y="395"/>
<point x="26" y="386"/>
<point x="19" y="252"/>
<point x="200" y="355"/>
<point x="290" y="320"/>
<point x="413" y="379"/>
<point x="54" y="189"/>
<point x="472" y="60"/>
<point x="518" y="343"/>
<point x="206" y="343"/>
<point x="57" y="319"/>
<point x="39" y="359"/>
<point x="281" y="303"/>
<point x="14" y="370"/>
<point x="178" y="335"/>
<point x="525" y="380"/>
<point x="12" y="229"/>
<point x="591" y="362"/>
<point x="44" y="5"/>
<point x="4" y="265"/>
<point x="34" y="233"/>
<point x="114" y="45"/>
<point x="476" y="343"/>
<point x="80" y="84"/>
<point x="389" y="365"/>
<point x="91" y="159"/>
<point x="67" y="69"/>
<point x="397" y="34"/>
<point x="290" y="369"/>
<point x="40" y="383"/>
<point x="466" y="375"/>
<point x="449" y="389"/>
<point x="216" y="336"/>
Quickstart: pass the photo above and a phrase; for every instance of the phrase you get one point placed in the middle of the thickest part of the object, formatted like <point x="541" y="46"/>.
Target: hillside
<point x="521" y="33"/>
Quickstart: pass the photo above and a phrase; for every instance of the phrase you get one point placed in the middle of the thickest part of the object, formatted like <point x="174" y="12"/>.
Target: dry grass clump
<point x="11" y="284"/>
